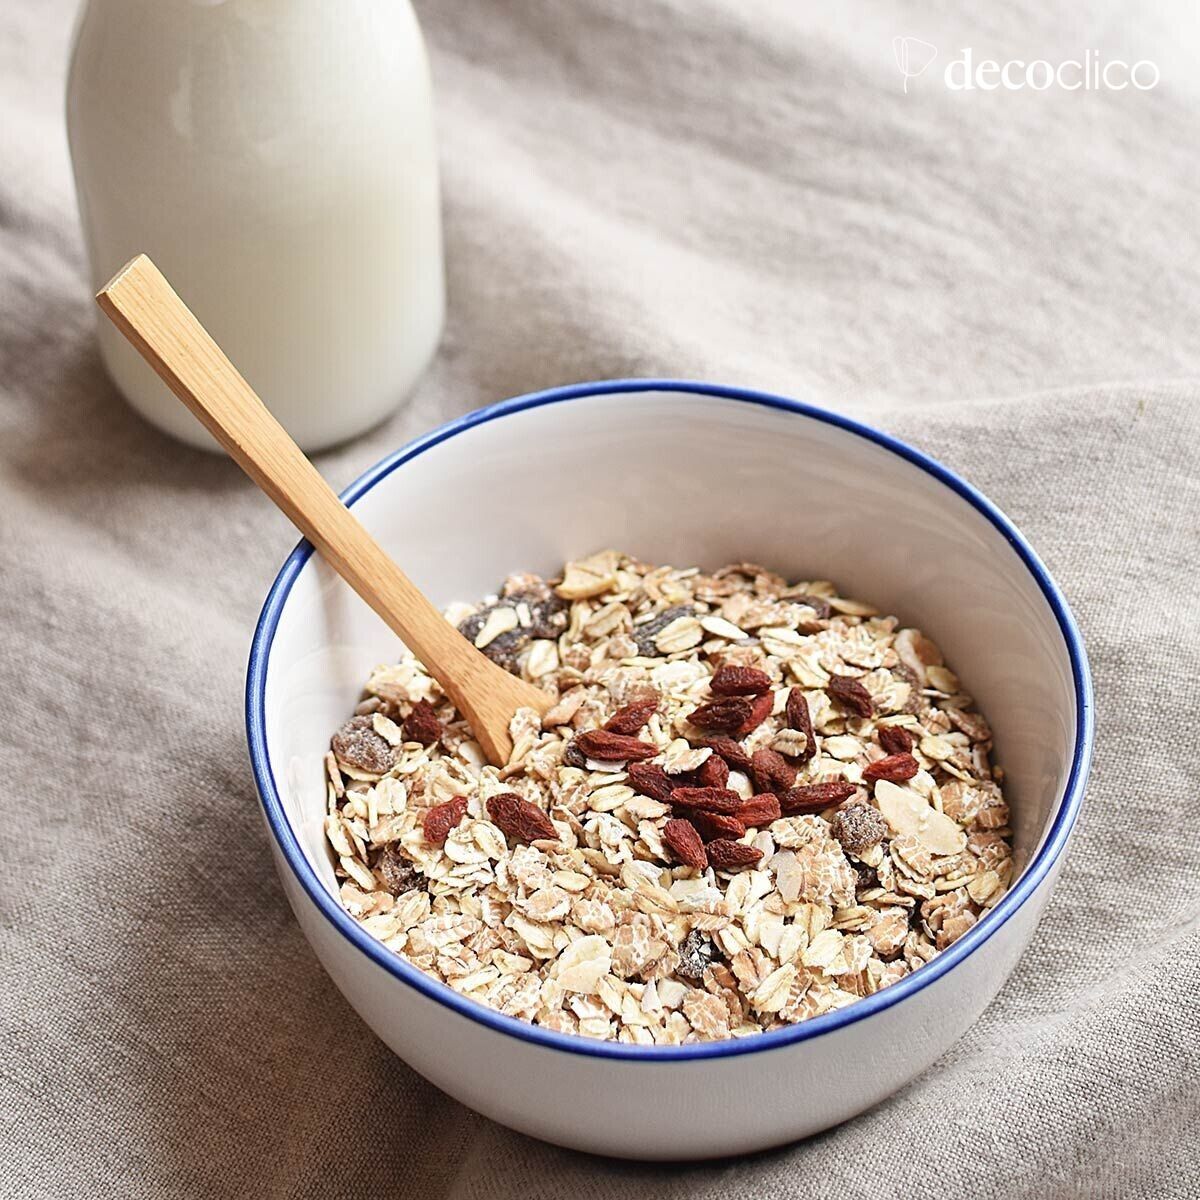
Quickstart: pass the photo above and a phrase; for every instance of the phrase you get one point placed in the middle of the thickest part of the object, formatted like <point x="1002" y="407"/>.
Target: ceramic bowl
<point x="682" y="473"/>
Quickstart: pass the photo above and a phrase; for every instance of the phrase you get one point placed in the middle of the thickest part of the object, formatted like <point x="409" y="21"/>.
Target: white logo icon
<point x="912" y="57"/>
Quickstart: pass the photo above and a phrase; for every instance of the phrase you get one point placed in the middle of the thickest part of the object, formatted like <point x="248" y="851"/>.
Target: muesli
<point x="752" y="802"/>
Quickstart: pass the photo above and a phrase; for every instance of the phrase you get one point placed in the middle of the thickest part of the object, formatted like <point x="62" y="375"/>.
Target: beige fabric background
<point x="724" y="189"/>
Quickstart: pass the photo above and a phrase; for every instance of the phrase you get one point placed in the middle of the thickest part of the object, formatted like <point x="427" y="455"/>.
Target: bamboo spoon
<point x="143" y="306"/>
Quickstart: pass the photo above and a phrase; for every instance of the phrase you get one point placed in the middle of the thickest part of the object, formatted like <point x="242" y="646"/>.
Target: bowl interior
<point x="688" y="479"/>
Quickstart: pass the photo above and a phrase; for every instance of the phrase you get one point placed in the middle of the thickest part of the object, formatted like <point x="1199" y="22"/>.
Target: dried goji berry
<point x="684" y="842"/>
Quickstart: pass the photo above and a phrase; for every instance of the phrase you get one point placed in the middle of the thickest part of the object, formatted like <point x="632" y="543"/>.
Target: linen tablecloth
<point x="717" y="189"/>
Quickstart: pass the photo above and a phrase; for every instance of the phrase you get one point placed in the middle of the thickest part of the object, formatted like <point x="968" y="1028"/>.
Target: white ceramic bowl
<point x="686" y="474"/>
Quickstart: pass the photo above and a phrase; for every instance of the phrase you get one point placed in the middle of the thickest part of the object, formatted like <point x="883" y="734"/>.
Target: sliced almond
<point x="719" y="627"/>
<point x="682" y="634"/>
<point x="499" y="621"/>
<point x="907" y="812"/>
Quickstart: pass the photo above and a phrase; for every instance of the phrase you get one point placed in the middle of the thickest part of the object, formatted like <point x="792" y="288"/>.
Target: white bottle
<point x="276" y="159"/>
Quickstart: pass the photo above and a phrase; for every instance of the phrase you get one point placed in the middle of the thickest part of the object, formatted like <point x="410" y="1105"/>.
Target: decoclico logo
<point x="1092" y="72"/>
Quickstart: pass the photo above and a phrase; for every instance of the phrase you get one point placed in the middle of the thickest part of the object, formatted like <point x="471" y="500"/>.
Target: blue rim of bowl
<point x="1029" y="881"/>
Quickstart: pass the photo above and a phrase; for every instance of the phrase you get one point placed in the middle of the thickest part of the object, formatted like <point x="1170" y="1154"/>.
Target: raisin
<point x="895" y="740"/>
<point x="502" y="650"/>
<point x="850" y="694"/>
<point x="645" y="633"/>
<point x="548" y="619"/>
<point x="695" y="953"/>
<point x="421" y="725"/>
<point x="357" y="746"/>
<point x="549" y="616"/>
<point x="859" y="827"/>
<point x="399" y="875"/>
<point x="574" y="757"/>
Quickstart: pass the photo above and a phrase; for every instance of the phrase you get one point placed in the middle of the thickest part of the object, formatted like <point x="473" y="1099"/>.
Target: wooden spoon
<point x="144" y="307"/>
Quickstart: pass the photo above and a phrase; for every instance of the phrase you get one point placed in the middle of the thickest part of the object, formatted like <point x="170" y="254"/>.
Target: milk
<point x="276" y="159"/>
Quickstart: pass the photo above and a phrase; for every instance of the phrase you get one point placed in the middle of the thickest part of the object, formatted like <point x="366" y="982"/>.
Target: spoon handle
<point x="143" y="305"/>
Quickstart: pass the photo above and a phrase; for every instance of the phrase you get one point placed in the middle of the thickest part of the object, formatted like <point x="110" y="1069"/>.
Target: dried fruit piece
<point x="895" y="740"/>
<point x="739" y="681"/>
<point x="421" y="725"/>
<point x="519" y="820"/>
<point x="399" y="875"/>
<point x="716" y="825"/>
<point x="733" y="753"/>
<point x="759" y="811"/>
<point x="771" y="771"/>
<point x="357" y="746"/>
<point x="440" y="820"/>
<point x="646" y="633"/>
<point x="548" y="621"/>
<point x="603" y="746"/>
<point x="684" y="842"/>
<point x="798" y="717"/>
<point x="727" y="855"/>
<point x="724" y="715"/>
<point x="713" y="772"/>
<point x="548" y="612"/>
<point x="574" y="757"/>
<point x="816" y="603"/>
<point x="850" y="694"/>
<point x="650" y="779"/>
<point x="813" y="797"/>
<point x="894" y="768"/>
<point x="632" y="718"/>
<point x="695" y="954"/>
<point x="760" y="710"/>
<point x="859" y="827"/>
<point x="718" y="800"/>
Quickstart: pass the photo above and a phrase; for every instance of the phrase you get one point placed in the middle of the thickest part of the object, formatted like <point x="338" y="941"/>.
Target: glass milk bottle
<point x="276" y="159"/>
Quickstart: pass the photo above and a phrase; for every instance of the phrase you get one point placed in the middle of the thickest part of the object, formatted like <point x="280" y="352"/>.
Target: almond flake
<point x="908" y="812"/>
